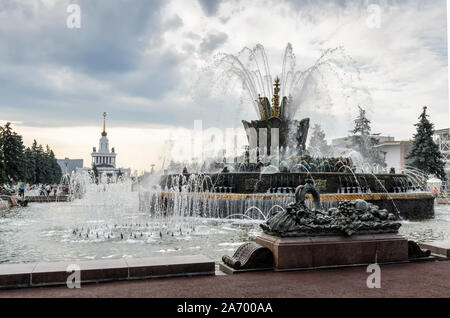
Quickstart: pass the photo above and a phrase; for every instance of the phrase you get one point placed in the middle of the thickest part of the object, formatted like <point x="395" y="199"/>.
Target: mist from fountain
<point x="251" y="67"/>
<point x="84" y="189"/>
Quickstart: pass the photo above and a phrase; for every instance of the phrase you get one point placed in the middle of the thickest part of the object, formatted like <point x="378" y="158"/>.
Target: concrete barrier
<point x="46" y="274"/>
<point x="46" y="199"/>
<point x="4" y="205"/>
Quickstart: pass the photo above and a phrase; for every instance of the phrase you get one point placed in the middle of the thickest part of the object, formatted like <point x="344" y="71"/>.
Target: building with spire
<point x="103" y="160"/>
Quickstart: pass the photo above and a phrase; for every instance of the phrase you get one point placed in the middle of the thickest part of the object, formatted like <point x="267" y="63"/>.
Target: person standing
<point x="435" y="192"/>
<point x="22" y="191"/>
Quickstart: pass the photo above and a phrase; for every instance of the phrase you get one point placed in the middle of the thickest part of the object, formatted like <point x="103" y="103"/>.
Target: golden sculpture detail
<point x="277" y="114"/>
<point x="276" y="99"/>
<point x="265" y="109"/>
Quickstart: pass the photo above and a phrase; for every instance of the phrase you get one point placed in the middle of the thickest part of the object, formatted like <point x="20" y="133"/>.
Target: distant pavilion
<point x="104" y="161"/>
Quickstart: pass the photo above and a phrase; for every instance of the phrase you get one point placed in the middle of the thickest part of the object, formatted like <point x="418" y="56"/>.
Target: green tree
<point x="362" y="124"/>
<point x="364" y="141"/>
<point x="13" y="159"/>
<point x="55" y="172"/>
<point x="425" y="154"/>
<point x="317" y="143"/>
<point x="41" y="165"/>
<point x="48" y="171"/>
<point x="39" y="160"/>
<point x="30" y="166"/>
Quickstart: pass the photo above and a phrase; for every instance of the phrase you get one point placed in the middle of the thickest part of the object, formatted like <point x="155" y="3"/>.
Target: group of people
<point x="443" y="191"/>
<point x="40" y="189"/>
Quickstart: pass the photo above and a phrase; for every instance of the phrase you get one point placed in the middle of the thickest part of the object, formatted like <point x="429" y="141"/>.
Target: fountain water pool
<point x="74" y="231"/>
<point x="79" y="231"/>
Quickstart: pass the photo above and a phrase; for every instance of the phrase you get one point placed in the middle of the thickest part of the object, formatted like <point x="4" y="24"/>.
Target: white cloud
<point x="142" y="65"/>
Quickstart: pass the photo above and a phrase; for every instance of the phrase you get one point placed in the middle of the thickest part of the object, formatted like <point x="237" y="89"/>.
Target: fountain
<point x="214" y="210"/>
<point x="280" y="160"/>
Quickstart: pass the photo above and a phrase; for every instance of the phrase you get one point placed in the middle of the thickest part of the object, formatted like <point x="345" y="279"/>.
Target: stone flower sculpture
<point x="350" y="217"/>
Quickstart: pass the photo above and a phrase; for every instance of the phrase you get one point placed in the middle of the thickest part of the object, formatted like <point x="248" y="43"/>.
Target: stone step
<point x="56" y="273"/>
<point x="438" y="248"/>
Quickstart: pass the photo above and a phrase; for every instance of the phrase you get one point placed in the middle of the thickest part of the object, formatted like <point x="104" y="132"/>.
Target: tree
<point x="362" y="124"/>
<point x="425" y="154"/>
<point x="13" y="159"/>
<point x="317" y="143"/>
<point x="30" y="166"/>
<point x="55" y="169"/>
<point x="46" y="166"/>
<point x="40" y="164"/>
<point x="363" y="141"/>
<point x="48" y="174"/>
<point x="33" y="165"/>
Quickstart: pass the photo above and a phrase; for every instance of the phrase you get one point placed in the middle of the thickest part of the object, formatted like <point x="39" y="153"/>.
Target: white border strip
<point x="448" y="56"/>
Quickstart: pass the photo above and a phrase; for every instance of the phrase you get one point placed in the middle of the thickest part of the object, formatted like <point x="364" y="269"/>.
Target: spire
<point x="104" y="124"/>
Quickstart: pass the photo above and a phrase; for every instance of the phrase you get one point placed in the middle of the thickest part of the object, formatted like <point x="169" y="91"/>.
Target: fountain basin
<point x="4" y="205"/>
<point x="251" y="182"/>
<point x="7" y="201"/>
<point x="258" y="206"/>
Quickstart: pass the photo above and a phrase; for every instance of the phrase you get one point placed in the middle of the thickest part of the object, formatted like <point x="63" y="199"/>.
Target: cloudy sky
<point x="143" y="61"/>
